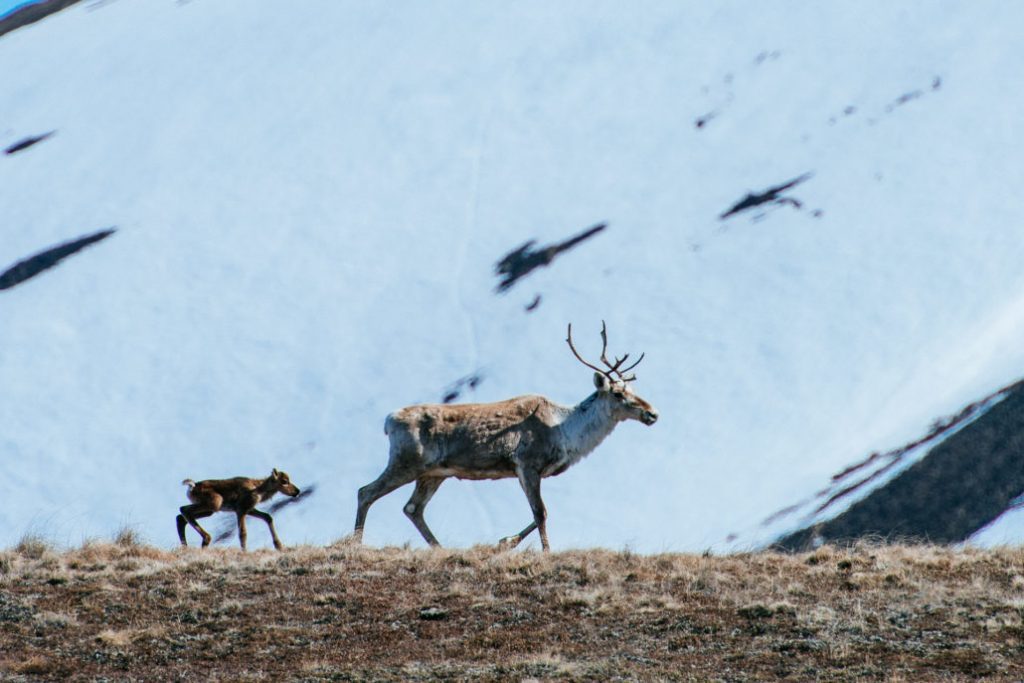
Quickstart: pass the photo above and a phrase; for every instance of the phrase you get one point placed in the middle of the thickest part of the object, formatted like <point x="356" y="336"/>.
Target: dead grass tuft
<point x="122" y="638"/>
<point x="37" y="665"/>
<point x="127" y="537"/>
<point x="33" y="546"/>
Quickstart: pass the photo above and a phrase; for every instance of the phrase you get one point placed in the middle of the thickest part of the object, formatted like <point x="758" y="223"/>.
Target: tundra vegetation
<point x="125" y="611"/>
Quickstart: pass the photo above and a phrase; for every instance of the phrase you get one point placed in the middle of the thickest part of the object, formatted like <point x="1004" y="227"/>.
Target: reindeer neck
<point x="585" y="426"/>
<point x="266" y="489"/>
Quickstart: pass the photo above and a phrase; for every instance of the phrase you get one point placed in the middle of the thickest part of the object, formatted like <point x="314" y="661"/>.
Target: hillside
<point x="962" y="485"/>
<point x="15" y="14"/>
<point x="125" y="611"/>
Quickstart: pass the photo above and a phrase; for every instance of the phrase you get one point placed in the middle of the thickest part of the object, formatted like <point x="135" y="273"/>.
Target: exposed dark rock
<point x="961" y="484"/>
<point x="705" y="119"/>
<point x="433" y="613"/>
<point x="33" y="265"/>
<point x="27" y="142"/>
<point x="13" y="611"/>
<point x="518" y="263"/>
<point x="904" y="98"/>
<point x="912" y="95"/>
<point x="765" y="56"/>
<point x="772" y="194"/>
<point x="470" y="382"/>
<point x="30" y="14"/>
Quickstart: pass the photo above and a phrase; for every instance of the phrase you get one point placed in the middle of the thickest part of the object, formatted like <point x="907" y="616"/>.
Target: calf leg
<point x="182" y="523"/>
<point x="241" y="529"/>
<point x="259" y="514"/>
<point x="426" y="487"/>
<point x="189" y="515"/>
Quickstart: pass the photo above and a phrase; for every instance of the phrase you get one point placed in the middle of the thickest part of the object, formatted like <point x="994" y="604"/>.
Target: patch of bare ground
<point x="129" y="612"/>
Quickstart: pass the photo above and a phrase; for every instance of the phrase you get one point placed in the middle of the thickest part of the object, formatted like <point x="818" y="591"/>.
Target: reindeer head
<point x="280" y="482"/>
<point x="613" y="383"/>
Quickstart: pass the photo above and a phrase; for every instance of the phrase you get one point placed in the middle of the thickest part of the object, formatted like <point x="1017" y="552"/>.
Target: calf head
<point x="279" y="481"/>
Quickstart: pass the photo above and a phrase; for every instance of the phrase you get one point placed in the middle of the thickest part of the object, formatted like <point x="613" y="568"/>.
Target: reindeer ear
<point x="276" y="473"/>
<point x="601" y="381"/>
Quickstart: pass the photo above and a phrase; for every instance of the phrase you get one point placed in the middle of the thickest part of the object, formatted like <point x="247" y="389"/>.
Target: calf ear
<point x="601" y="381"/>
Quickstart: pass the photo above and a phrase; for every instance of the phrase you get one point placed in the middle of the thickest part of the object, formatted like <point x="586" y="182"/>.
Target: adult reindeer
<point x="528" y="437"/>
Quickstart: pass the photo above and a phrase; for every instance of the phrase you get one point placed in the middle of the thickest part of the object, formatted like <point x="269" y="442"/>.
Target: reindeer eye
<point x="618" y="394"/>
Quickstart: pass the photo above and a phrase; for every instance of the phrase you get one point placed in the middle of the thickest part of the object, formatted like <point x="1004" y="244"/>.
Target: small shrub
<point x="756" y="611"/>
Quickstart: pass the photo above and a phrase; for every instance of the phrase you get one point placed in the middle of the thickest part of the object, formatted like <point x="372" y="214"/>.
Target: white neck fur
<point x="585" y="427"/>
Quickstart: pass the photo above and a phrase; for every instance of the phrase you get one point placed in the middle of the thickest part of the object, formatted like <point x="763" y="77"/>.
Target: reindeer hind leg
<point x="426" y="487"/>
<point x="182" y="523"/>
<point x="512" y="541"/>
<point x="530" y="481"/>
<point x="189" y="514"/>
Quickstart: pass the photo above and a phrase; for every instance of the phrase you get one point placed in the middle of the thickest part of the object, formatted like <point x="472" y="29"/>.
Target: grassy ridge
<point x="126" y="611"/>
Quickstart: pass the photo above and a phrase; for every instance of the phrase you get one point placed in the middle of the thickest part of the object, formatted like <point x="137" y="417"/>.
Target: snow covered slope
<point x="310" y="198"/>
<point x="1007" y="529"/>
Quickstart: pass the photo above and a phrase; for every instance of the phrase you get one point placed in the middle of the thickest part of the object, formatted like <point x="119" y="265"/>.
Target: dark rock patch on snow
<point x="456" y="389"/>
<point x="27" y="142"/>
<point x="33" y="265"/>
<point x="29" y="14"/>
<point x="771" y="195"/>
<point x="520" y="262"/>
<point x="960" y="486"/>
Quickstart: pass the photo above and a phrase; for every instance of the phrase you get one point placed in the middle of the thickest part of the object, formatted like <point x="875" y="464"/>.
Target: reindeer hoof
<point x="509" y="542"/>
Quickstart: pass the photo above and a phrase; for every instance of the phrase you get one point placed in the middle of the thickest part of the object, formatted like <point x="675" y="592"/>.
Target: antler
<point x="579" y="357"/>
<point x="612" y="367"/>
<point x="632" y="377"/>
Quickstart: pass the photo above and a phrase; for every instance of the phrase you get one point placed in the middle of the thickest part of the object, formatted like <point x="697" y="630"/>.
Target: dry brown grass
<point x="126" y="611"/>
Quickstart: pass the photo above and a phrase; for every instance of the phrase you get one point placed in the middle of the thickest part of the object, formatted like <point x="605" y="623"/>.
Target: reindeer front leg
<point x="241" y="529"/>
<point x="394" y="476"/>
<point x="530" y="481"/>
<point x="270" y="523"/>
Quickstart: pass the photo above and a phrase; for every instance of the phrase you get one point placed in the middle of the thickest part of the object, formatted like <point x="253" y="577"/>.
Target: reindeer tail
<point x="189" y="483"/>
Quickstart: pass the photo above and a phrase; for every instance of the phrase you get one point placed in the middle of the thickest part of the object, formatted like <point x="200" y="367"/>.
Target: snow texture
<point x="310" y="199"/>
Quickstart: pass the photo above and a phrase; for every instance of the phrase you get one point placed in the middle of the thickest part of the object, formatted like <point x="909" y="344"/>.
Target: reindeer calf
<point x="239" y="495"/>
